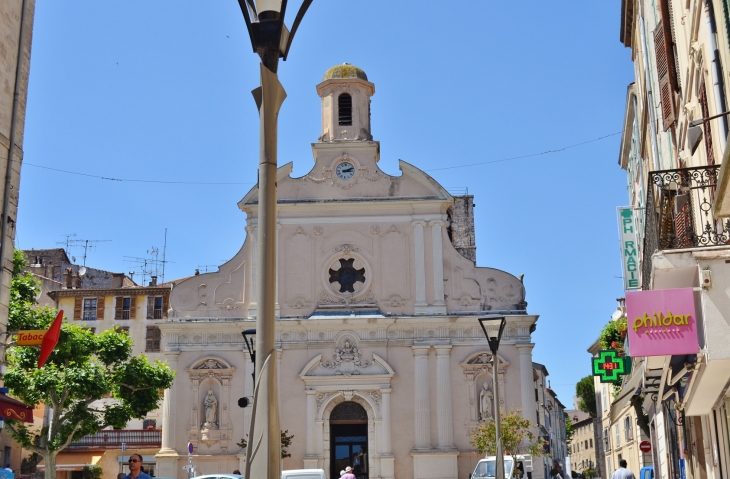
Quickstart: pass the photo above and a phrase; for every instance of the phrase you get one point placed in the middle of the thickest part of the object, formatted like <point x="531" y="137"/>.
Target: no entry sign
<point x="645" y="446"/>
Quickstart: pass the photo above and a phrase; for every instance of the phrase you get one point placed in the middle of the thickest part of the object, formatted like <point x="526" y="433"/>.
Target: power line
<point x="546" y="152"/>
<point x="133" y="180"/>
<point x="136" y="180"/>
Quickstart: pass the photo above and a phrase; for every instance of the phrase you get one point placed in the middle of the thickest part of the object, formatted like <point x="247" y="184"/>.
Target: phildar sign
<point x="662" y="322"/>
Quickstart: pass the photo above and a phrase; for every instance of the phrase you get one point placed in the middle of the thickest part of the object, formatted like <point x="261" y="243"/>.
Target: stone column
<point x="444" y="414"/>
<point x="438" y="263"/>
<point x="252" y="231"/>
<point x="423" y="410"/>
<point x="526" y="382"/>
<point x="168" y="409"/>
<point x="419" y="251"/>
<point x="311" y="451"/>
<point x="387" y="461"/>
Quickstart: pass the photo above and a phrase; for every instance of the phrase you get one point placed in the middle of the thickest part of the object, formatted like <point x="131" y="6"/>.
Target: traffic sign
<point x="645" y="446"/>
<point x="190" y="448"/>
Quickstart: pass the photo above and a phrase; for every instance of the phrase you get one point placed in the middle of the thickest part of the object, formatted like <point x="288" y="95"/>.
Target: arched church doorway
<point x="349" y="439"/>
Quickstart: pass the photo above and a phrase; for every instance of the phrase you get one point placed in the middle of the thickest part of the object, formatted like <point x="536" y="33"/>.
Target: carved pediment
<point x="321" y="367"/>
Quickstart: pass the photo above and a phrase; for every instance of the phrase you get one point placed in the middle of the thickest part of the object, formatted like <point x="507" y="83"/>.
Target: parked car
<point x="303" y="474"/>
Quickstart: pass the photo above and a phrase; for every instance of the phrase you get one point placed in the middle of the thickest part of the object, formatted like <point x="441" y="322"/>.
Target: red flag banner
<point x="50" y="340"/>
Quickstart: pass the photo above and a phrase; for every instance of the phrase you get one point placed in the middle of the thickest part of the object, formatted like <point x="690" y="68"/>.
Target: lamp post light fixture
<point x="494" y="336"/>
<point x="271" y="40"/>
<point x="248" y="338"/>
<point x="694" y="130"/>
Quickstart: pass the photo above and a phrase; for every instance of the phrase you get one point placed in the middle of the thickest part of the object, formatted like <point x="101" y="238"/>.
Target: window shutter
<point x="118" y="307"/>
<point x="165" y="304"/>
<point x="150" y="307"/>
<point x="133" y="307"/>
<point x="78" y="308"/>
<point x="100" y="307"/>
<point x="667" y="24"/>
<point x="666" y="92"/>
<point x="153" y="339"/>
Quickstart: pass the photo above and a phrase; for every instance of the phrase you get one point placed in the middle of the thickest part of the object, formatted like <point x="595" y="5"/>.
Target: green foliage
<point x="586" y="393"/>
<point x="611" y="336"/>
<point x="92" y="472"/>
<point x="517" y="437"/>
<point x="83" y="369"/>
<point x="589" y="473"/>
<point x="285" y="442"/>
<point x="568" y="428"/>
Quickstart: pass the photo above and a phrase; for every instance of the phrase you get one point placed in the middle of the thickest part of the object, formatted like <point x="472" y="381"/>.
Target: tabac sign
<point x="662" y="322"/>
<point x="629" y="251"/>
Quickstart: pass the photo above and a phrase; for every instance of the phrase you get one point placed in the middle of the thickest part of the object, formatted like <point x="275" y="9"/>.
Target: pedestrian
<point x="348" y="474"/>
<point x="135" y="468"/>
<point x="7" y="467"/>
<point x="622" y="472"/>
<point x="557" y="471"/>
<point x="342" y="473"/>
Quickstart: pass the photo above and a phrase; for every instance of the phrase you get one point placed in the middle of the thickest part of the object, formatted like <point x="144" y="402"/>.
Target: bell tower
<point x="345" y="92"/>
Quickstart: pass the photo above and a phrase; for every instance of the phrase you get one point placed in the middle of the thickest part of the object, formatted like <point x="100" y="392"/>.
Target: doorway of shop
<point x="349" y="439"/>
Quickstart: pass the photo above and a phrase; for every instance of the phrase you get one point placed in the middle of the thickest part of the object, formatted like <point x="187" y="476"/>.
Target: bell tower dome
<point x="345" y="92"/>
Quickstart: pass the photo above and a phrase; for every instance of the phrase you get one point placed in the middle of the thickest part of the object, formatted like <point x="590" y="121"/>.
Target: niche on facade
<point x="210" y="384"/>
<point x="477" y="369"/>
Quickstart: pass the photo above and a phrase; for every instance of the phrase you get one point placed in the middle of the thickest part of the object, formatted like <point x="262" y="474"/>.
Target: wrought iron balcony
<point x="679" y="212"/>
<point x="113" y="439"/>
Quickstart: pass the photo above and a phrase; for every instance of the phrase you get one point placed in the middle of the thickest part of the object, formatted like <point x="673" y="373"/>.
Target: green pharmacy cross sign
<point x="609" y="366"/>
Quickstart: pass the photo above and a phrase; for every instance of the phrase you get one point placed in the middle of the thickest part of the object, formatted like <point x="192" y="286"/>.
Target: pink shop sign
<point x="661" y="322"/>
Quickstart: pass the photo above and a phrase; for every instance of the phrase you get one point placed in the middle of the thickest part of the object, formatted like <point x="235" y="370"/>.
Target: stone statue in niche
<point x="346" y="359"/>
<point x="211" y="411"/>
<point x="486" y="400"/>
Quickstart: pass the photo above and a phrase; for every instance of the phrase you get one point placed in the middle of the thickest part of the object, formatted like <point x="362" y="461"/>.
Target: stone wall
<point x="461" y="230"/>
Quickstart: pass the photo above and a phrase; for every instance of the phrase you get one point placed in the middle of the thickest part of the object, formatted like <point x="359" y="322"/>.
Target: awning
<point x="76" y="461"/>
<point x="628" y="391"/>
<point x="13" y="409"/>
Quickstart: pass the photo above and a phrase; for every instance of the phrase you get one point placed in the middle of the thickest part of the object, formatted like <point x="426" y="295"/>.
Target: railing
<point x="679" y="210"/>
<point x="113" y="439"/>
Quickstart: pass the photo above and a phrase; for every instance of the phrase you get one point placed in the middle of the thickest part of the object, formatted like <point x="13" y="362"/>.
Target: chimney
<point x="76" y="280"/>
<point x="117" y="280"/>
<point x="66" y="280"/>
<point x="461" y="228"/>
<point x="153" y="281"/>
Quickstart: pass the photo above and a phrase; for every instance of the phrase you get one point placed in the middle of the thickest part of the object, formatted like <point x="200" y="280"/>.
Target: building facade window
<point x="90" y="306"/>
<point x="149" y="424"/>
<point x="125" y="307"/>
<point x="628" y="430"/>
<point x="344" y="103"/>
<point x="590" y="443"/>
<point x="617" y="432"/>
<point x="124" y="329"/>
<point x="157" y="306"/>
<point x="607" y="439"/>
<point x="153" y="339"/>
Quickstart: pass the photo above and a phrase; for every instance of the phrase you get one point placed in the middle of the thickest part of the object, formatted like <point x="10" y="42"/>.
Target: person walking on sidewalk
<point x="622" y="472"/>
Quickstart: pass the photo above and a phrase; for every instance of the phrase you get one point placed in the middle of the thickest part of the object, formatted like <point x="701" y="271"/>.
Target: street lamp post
<point x="494" y="336"/>
<point x="271" y="40"/>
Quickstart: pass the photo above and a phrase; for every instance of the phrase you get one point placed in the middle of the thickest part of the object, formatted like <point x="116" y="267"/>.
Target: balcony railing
<point x="679" y="211"/>
<point x="113" y="439"/>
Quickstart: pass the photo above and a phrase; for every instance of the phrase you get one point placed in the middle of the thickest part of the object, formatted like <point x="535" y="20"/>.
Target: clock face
<point x="345" y="170"/>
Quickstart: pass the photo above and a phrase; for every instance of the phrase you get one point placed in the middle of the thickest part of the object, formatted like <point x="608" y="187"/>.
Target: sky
<point x="140" y="120"/>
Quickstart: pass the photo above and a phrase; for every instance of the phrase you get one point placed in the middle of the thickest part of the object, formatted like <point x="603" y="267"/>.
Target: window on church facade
<point x="345" y="109"/>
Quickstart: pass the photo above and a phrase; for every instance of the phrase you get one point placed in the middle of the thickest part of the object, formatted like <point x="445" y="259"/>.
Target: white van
<point x="487" y="467"/>
<point x="303" y="474"/>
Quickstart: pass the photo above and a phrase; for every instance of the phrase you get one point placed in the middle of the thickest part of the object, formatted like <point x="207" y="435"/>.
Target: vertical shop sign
<point x="629" y="248"/>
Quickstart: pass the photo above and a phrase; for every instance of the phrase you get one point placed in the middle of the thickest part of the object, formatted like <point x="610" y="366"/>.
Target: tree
<point x="586" y="393"/>
<point x="517" y="436"/>
<point x="568" y="429"/>
<point x="90" y="381"/>
<point x="285" y="442"/>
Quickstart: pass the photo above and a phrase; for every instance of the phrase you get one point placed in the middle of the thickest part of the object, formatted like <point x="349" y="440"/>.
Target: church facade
<point x="382" y="364"/>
